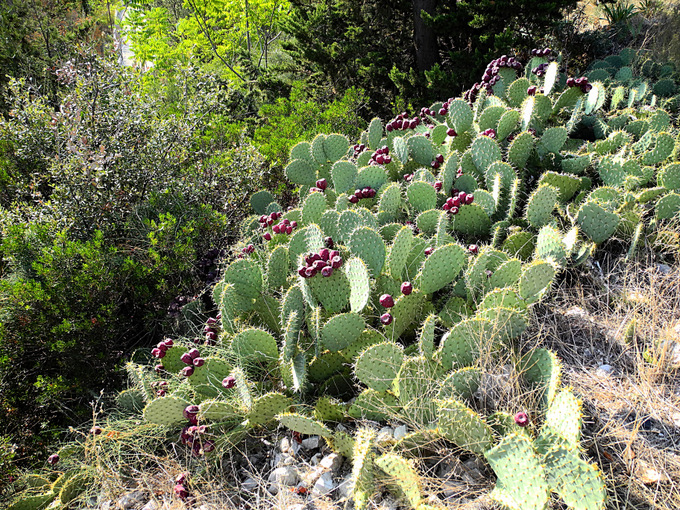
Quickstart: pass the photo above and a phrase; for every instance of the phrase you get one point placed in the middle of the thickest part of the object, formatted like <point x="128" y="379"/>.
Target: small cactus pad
<point x="441" y="268"/>
<point x="333" y="292"/>
<point x="359" y="283"/>
<point x="542" y="371"/>
<point x="462" y="426"/>
<point x="536" y="280"/>
<point x="341" y="330"/>
<point x="596" y="222"/>
<point x="374" y="405"/>
<point x="521" y="481"/>
<point x="461" y="384"/>
<point x="564" y="417"/>
<point x="255" y="345"/>
<point x="368" y="245"/>
<point x="304" y="425"/>
<point x="167" y="411"/>
<point x="377" y="366"/>
<point x="33" y="502"/>
<point x="402" y="476"/>
<point x="266" y="407"/>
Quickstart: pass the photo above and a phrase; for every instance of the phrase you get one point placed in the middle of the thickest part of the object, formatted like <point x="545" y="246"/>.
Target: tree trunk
<point x="424" y="36"/>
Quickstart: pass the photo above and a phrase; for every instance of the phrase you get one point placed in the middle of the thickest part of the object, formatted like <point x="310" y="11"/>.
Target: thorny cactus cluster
<point x="567" y="169"/>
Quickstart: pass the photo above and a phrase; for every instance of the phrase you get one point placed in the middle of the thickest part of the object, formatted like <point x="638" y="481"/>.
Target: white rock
<point x="663" y="268"/>
<point x="450" y="468"/>
<point x="153" y="505"/>
<point x="677" y="329"/>
<point x="676" y="419"/>
<point x="605" y="370"/>
<point x="576" y="311"/>
<point x="346" y="487"/>
<point x="106" y="505"/>
<point x="332" y="462"/>
<point x="131" y="499"/>
<point x="289" y="447"/>
<point x="324" y="485"/>
<point x="311" y="443"/>
<point x="340" y="428"/>
<point x="249" y="484"/>
<point x="400" y="432"/>
<point x="286" y="475"/>
<point x="386" y="433"/>
<point x="316" y="458"/>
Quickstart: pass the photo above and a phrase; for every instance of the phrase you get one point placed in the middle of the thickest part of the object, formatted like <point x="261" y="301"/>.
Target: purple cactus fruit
<point x="531" y="91"/>
<point x="96" y="430"/>
<point x="333" y="254"/>
<point x="455" y="202"/>
<point x="319" y="265"/>
<point x="428" y="251"/>
<point x="469" y="199"/>
<point x="439" y="158"/>
<point x="310" y="272"/>
<point x="182" y="478"/>
<point x="211" y="335"/>
<point x="181" y="492"/>
<point x="386" y="301"/>
<point x="434" y="164"/>
<point x="267" y="236"/>
<point x="208" y="446"/>
<point x="53" y="459"/>
<point x="199" y="362"/>
<point x="570" y="82"/>
<point x="188" y="371"/>
<point x="388" y="160"/>
<point x="451" y="132"/>
<point x="158" y="368"/>
<point x="250" y="248"/>
<point x="454" y="210"/>
<point x="161" y="393"/>
<point x="446" y="206"/>
<point x="289" y="229"/>
<point x="157" y="353"/>
<point x="438" y="185"/>
<point x="386" y="319"/>
<point x="327" y="271"/>
<point x="229" y="382"/>
<point x="168" y="342"/>
<point x="276" y="229"/>
<point x="263" y="219"/>
<point x="186" y="359"/>
<point x="191" y="412"/>
<point x="194" y="353"/>
<point x="336" y="262"/>
<point x="406" y="288"/>
<point x="474" y="249"/>
<point x="302" y="271"/>
<point x="366" y="192"/>
<point x="329" y="243"/>
<point x="322" y="184"/>
<point x="353" y="199"/>
<point x="522" y="419"/>
<point x="324" y="253"/>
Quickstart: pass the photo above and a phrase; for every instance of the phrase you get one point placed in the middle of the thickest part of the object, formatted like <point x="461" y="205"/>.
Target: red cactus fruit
<point x="386" y="319"/>
<point x="522" y="419"/>
<point x="406" y="288"/>
<point x="386" y="301"/>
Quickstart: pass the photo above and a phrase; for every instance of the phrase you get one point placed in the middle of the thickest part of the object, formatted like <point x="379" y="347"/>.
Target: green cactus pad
<point x="461" y="346"/>
<point x="260" y="200"/>
<point x="335" y="146"/>
<point x="520" y="149"/>
<point x="596" y="222"/>
<point x="484" y="151"/>
<point x="347" y="222"/>
<point x="471" y="220"/>
<point x="403" y="477"/>
<point x="329" y="409"/>
<point x="313" y="208"/>
<point x="374" y="405"/>
<point x="416" y="386"/>
<point x="341" y="443"/>
<point x="536" y="280"/>
<point x="405" y="311"/>
<point x="266" y="408"/>
<point x="479" y="270"/>
<point x="401" y="247"/>
<point x="325" y="366"/>
<point x="421" y="149"/>
<point x="549" y="246"/>
<point x="508" y="323"/>
<point x="505" y="297"/>
<point x="442" y="266"/>
<point x="507" y="124"/>
<point x="373" y="176"/>
<point x="579" y="484"/>
<point x="454" y="310"/>
<point x="277" y="267"/>
<point x="167" y="411"/>
<point x="171" y="361"/>
<point x="33" y="502"/>
<point x="553" y="139"/>
<point x="375" y="133"/>
<point x="293" y="301"/>
<point x="360" y="290"/>
<point x="668" y="206"/>
<point x="521" y="475"/>
<point x="421" y="196"/>
<point x="426" y="337"/>
<point x="575" y="164"/>
<point x="663" y="148"/>
<point x="302" y="172"/>
<point x="332" y="292"/>
<point x="341" y="330"/>
<point x="400" y="149"/>
<point x="304" y="425"/>
<point x="490" y="117"/>
<point x="246" y="277"/>
<point x="542" y="371"/>
<point x="255" y="345"/>
<point x="377" y="366"/>
<point x="344" y="175"/>
<point x="507" y="274"/>
<point x="516" y="93"/>
<point x="460" y="116"/>
<point x="368" y="245"/>
<point x="308" y="239"/>
<point x="567" y="185"/>
<point x="216" y="410"/>
<point x="669" y="177"/>
<point x="363" y="468"/>
<point x="390" y="201"/>
<point x="318" y="151"/>
<point x="208" y="378"/>
<point x="461" y="384"/>
<point x="520" y="244"/>
<point x="564" y="417"/>
<point x="464" y="427"/>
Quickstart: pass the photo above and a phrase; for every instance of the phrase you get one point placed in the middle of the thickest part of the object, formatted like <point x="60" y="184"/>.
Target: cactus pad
<point x="255" y="345"/>
<point x="167" y="411"/>
<point x="304" y="425"/>
<point x="333" y="292"/>
<point x="462" y="426"/>
<point x="377" y="366"/>
<point x="441" y="268"/>
<point x="536" y="280"/>
<point x="341" y="330"/>
<point x="403" y="477"/>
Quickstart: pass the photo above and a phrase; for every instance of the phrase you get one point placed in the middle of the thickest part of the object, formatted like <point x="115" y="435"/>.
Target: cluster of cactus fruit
<point x="565" y="171"/>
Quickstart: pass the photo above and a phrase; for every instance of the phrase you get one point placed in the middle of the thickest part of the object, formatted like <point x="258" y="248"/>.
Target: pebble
<point x="316" y="458"/>
<point x="400" y="432"/>
<point x="311" y="443"/>
<point x="286" y="475"/>
<point x="676" y="419"/>
<point x="663" y="268"/>
<point x="324" y="485"/>
<point x="249" y="484"/>
<point x="386" y="432"/>
<point x="131" y="500"/>
<point x="346" y="487"/>
<point x="332" y="462"/>
<point x="289" y="447"/>
<point x="605" y="370"/>
<point x="576" y="311"/>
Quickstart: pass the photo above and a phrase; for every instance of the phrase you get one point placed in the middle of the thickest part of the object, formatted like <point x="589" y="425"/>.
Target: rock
<point x="316" y="458"/>
<point x="649" y="475"/>
<point x="346" y="487"/>
<point x="676" y="419"/>
<point x="249" y="484"/>
<point x="298" y="506"/>
<point x="577" y="312"/>
<point x="282" y="459"/>
<point x="131" y="500"/>
<point x="604" y="370"/>
<point x="663" y="268"/>
<point x="388" y="503"/>
<point x="152" y="504"/>
<point x="324" y="485"/>
<point x="385" y="434"/>
<point x="400" y="432"/>
<point x="106" y="505"/>
<point x="289" y="447"/>
<point x="450" y="468"/>
<point x="311" y="443"/>
<point x="282" y="476"/>
<point x="677" y="330"/>
<point x="332" y="462"/>
<point x="672" y="354"/>
<point x="474" y="469"/>
<point x="454" y="490"/>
